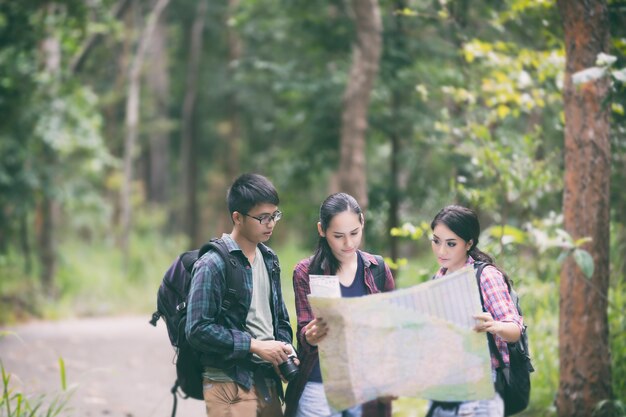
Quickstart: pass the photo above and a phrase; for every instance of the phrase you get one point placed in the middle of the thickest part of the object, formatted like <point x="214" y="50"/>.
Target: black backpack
<point x="512" y="382"/>
<point x="172" y="307"/>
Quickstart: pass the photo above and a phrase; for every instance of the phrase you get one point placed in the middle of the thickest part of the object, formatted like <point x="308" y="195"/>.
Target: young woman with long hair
<point x="340" y="229"/>
<point x="456" y="230"/>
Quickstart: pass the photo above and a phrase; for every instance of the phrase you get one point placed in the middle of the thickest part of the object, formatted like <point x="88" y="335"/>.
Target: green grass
<point x="15" y="403"/>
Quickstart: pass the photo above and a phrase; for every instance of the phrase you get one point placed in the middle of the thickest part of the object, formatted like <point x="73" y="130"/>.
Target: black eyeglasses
<point x="267" y="218"/>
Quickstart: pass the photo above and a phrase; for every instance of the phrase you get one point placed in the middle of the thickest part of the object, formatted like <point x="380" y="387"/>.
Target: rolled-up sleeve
<point x="497" y="299"/>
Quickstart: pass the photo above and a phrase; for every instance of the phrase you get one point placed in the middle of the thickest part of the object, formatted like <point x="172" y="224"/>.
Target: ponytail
<point x="481" y="256"/>
<point x="323" y="260"/>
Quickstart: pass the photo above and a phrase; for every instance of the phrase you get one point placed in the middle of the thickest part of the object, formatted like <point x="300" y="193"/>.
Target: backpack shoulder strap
<point x="479" y="266"/>
<point x="379" y="273"/>
<point x="234" y="271"/>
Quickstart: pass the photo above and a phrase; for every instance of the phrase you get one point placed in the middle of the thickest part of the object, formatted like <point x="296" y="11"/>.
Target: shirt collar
<point x="230" y="242"/>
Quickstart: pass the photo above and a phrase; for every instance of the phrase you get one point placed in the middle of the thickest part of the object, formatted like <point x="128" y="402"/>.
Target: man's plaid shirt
<point x="225" y="343"/>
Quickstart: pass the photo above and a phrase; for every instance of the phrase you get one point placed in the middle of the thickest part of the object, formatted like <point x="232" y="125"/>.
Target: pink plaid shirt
<point x="497" y="302"/>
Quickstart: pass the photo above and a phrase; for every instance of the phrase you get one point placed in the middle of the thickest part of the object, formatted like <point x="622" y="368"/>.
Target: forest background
<point x="123" y="122"/>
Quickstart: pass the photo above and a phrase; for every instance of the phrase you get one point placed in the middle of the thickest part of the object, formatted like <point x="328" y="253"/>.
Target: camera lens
<point x="289" y="369"/>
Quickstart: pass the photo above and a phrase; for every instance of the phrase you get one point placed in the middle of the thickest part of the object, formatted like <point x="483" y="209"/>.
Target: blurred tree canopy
<point x="466" y="108"/>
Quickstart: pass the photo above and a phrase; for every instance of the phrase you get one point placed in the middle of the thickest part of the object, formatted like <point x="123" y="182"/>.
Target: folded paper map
<point x="415" y="342"/>
<point x="325" y="286"/>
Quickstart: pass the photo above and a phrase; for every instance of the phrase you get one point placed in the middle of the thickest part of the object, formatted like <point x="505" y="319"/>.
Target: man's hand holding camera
<point x="271" y="351"/>
<point x="280" y="354"/>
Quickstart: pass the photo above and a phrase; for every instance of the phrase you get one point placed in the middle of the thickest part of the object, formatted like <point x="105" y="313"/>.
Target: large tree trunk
<point x="366" y="52"/>
<point x="132" y="123"/>
<point x="158" y="150"/>
<point x="585" y="361"/>
<point x="189" y="159"/>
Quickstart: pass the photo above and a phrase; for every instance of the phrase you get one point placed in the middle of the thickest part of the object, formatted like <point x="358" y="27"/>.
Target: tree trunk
<point x="24" y="243"/>
<point x="46" y="237"/>
<point x="132" y="123"/>
<point x="189" y="159"/>
<point x="235" y="47"/>
<point x="233" y="137"/>
<point x="366" y="52"/>
<point x="394" y="198"/>
<point x="585" y="361"/>
<point x="158" y="150"/>
<point x="397" y="40"/>
<point x="45" y="221"/>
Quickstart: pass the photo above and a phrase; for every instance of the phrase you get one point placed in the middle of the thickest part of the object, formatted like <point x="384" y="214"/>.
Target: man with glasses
<point x="241" y="350"/>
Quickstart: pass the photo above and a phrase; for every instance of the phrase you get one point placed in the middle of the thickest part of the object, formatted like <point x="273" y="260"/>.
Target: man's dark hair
<point x="249" y="190"/>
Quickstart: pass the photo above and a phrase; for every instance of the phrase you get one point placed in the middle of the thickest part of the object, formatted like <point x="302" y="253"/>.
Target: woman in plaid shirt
<point x="454" y="242"/>
<point x="340" y="228"/>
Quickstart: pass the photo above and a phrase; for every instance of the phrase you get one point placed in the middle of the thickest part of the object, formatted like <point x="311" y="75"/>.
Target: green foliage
<point x="584" y="261"/>
<point x="617" y="330"/>
<point x="15" y="403"/>
<point x="467" y="106"/>
<point x="86" y="272"/>
<point x="617" y="320"/>
<point x="21" y="293"/>
<point x="50" y="141"/>
<point x="610" y="408"/>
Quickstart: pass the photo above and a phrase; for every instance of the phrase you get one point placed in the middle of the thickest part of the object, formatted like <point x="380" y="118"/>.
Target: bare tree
<point x="45" y="224"/>
<point x="366" y="52"/>
<point x="235" y="48"/>
<point x="585" y="360"/>
<point x="158" y="146"/>
<point x="132" y="121"/>
<point x="78" y="61"/>
<point x="189" y="161"/>
<point x="398" y="129"/>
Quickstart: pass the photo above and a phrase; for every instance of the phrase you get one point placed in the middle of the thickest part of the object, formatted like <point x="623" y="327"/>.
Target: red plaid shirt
<point x="302" y="289"/>
<point x="497" y="302"/>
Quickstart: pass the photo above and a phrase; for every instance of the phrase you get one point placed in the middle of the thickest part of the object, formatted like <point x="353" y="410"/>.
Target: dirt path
<point x="120" y="366"/>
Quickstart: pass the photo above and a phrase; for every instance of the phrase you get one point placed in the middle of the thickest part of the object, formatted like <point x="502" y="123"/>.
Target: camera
<point x="289" y="369"/>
